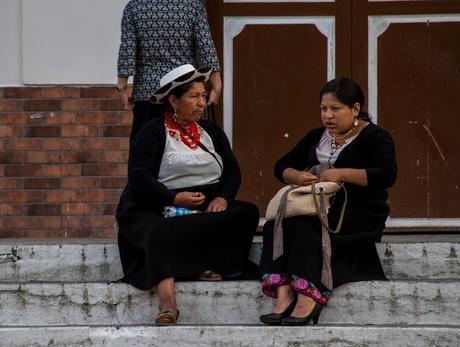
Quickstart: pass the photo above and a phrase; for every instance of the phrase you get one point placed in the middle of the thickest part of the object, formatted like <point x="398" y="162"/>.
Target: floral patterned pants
<point x="270" y="282"/>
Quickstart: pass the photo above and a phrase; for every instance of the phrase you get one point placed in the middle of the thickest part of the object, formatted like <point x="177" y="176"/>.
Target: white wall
<point x="10" y="43"/>
<point x="59" y="41"/>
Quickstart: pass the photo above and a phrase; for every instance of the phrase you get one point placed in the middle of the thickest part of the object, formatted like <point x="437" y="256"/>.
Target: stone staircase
<point x="59" y="293"/>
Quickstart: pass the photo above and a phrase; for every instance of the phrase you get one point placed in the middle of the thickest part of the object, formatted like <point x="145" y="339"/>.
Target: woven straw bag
<point x="300" y="200"/>
<point x="313" y="200"/>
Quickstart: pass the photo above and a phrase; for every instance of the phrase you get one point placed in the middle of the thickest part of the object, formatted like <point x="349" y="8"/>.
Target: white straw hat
<point x="180" y="75"/>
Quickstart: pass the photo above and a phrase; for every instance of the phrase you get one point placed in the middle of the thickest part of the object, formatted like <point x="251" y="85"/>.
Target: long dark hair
<point x="348" y="92"/>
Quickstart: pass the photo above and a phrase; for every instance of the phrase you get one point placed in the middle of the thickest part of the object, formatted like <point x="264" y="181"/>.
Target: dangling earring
<point x="174" y="116"/>
<point x="356" y="122"/>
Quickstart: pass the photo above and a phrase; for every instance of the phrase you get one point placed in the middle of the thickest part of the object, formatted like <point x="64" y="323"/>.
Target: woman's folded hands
<point x="300" y="178"/>
<point x="347" y="175"/>
<point x="192" y="200"/>
<point x="217" y="205"/>
<point x="304" y="178"/>
<point x="331" y="175"/>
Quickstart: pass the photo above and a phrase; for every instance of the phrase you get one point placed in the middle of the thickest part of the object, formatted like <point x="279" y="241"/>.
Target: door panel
<point x="416" y="102"/>
<point x="270" y="110"/>
<point x="404" y="54"/>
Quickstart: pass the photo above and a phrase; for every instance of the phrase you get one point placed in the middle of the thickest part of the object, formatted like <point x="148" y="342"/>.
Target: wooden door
<point x="407" y="54"/>
<point x="277" y="55"/>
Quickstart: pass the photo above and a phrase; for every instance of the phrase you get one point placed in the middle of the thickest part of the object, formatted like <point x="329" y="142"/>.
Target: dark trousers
<point x="143" y="112"/>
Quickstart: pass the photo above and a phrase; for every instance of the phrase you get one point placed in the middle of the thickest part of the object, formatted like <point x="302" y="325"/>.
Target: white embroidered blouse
<point x="183" y="167"/>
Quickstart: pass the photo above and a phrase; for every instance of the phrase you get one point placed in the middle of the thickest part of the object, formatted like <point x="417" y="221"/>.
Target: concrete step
<point x="232" y="302"/>
<point x="98" y="261"/>
<point x="228" y="336"/>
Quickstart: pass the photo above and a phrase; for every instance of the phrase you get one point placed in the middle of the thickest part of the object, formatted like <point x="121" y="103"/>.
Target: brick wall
<point x="63" y="161"/>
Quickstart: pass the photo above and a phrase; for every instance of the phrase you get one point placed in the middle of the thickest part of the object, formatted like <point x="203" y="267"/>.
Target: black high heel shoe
<point x="295" y="321"/>
<point x="275" y="318"/>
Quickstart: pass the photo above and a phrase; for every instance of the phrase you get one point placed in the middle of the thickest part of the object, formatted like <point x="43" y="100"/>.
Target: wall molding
<point x="423" y="222"/>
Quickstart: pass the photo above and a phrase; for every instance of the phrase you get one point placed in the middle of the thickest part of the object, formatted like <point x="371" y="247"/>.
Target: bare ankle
<point x="168" y="307"/>
<point x="167" y="295"/>
<point x="286" y="293"/>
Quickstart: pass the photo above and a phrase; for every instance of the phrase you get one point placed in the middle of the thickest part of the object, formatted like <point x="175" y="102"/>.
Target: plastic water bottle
<point x="173" y="211"/>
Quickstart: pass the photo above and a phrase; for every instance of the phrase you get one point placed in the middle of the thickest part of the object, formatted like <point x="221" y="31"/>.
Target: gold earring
<point x="174" y="116"/>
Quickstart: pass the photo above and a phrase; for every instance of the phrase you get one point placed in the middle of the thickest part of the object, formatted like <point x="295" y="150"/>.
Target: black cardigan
<point x="144" y="192"/>
<point x="372" y="150"/>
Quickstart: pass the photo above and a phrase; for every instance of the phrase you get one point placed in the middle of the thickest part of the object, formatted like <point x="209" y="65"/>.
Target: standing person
<point x="157" y="36"/>
<point x="181" y="161"/>
<point x="358" y="153"/>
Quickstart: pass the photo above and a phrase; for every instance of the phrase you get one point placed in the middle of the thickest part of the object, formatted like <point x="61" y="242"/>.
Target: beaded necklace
<point x="190" y="137"/>
<point x="335" y="146"/>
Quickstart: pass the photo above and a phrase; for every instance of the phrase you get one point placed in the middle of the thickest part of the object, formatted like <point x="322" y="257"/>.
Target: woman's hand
<point x="331" y="175"/>
<point x="126" y="100"/>
<point x="190" y="200"/>
<point x="217" y="205"/>
<point x="300" y="178"/>
<point x="216" y="84"/>
<point x="347" y="175"/>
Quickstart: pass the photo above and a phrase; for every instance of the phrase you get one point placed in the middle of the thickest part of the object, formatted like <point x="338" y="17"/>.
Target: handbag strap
<point x="326" y="271"/>
<point x="278" y="246"/>
<point x="323" y="218"/>
<point x="210" y="113"/>
<point x="204" y="148"/>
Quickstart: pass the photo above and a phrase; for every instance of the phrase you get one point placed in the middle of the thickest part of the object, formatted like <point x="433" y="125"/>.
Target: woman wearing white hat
<point x="182" y="164"/>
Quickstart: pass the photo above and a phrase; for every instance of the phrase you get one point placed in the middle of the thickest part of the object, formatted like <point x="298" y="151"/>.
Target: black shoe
<point x="314" y="315"/>
<point x="275" y="318"/>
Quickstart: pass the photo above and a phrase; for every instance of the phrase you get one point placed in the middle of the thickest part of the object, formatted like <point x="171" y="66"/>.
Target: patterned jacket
<point x="159" y="35"/>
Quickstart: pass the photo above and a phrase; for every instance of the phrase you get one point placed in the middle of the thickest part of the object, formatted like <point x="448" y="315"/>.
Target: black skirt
<point x="354" y="255"/>
<point x="153" y="248"/>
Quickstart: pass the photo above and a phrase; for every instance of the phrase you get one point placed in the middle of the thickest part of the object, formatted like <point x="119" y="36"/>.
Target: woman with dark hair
<point x="349" y="148"/>
<point x="180" y="164"/>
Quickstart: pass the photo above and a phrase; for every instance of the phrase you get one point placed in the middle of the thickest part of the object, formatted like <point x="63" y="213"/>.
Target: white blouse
<point x="183" y="167"/>
<point x="325" y="151"/>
